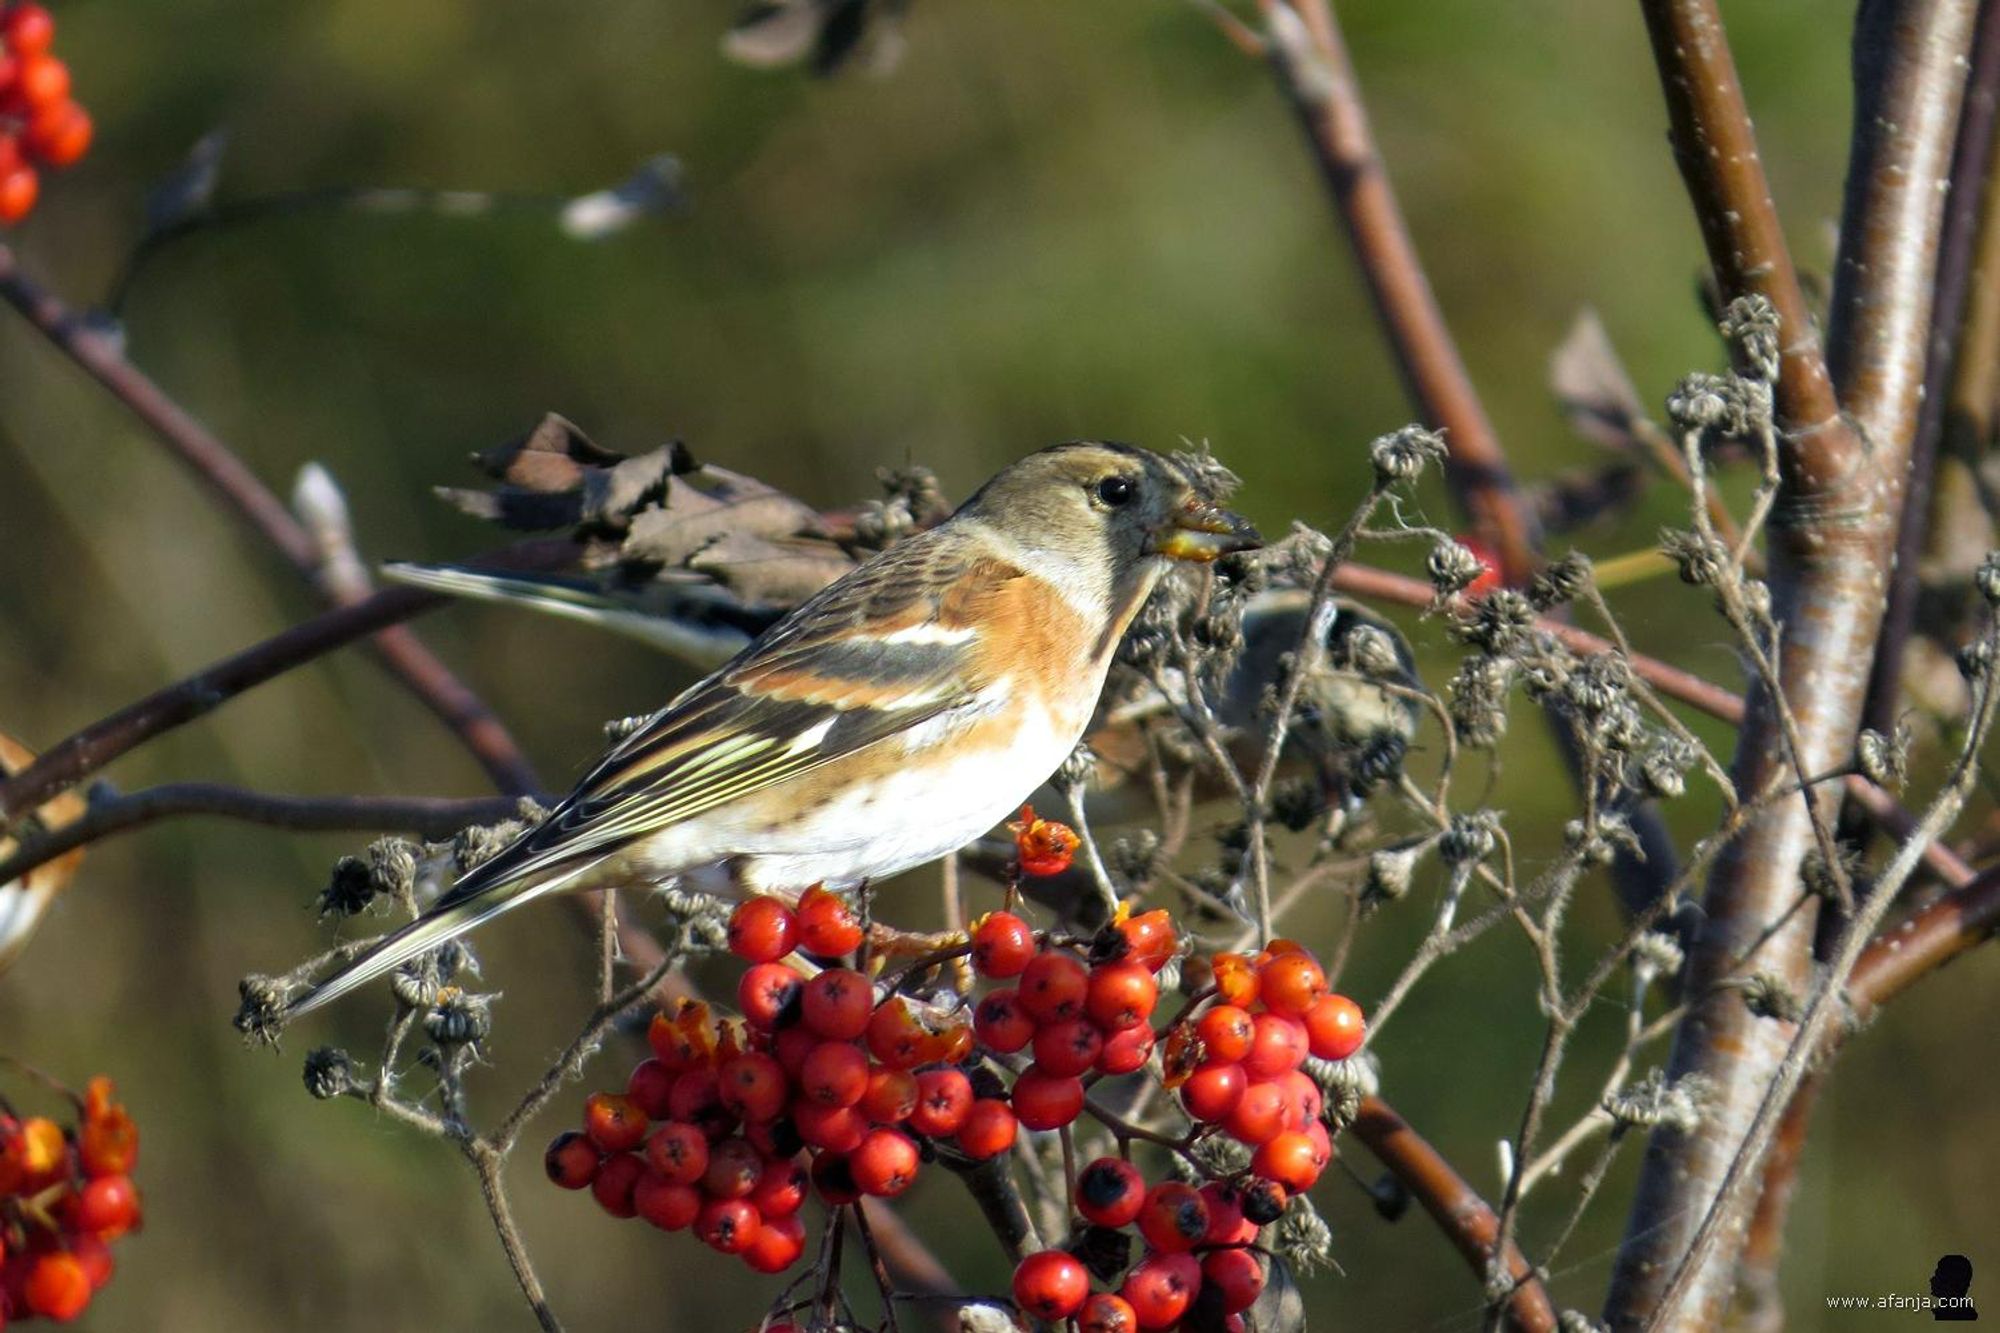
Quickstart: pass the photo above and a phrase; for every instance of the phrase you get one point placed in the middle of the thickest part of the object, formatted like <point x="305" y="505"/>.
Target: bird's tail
<point x="462" y="909"/>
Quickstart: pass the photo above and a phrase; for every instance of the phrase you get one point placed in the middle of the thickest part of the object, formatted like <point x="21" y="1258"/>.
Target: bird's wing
<point x="888" y="648"/>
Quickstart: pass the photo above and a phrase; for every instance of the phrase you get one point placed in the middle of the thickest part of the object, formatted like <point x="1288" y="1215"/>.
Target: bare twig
<point x="100" y="356"/>
<point x="1460" y="1213"/>
<point x="69" y="761"/>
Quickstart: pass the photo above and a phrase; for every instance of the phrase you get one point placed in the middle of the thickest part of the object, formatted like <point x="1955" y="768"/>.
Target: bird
<point x="887" y="721"/>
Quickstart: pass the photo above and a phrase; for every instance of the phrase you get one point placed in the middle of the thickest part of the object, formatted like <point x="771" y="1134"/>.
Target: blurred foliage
<point x="1052" y="220"/>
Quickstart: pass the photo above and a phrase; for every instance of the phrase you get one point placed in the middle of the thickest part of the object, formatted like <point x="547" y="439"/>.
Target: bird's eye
<point x="1116" y="491"/>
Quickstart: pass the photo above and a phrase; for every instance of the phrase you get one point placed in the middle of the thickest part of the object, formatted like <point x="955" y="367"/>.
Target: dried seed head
<point x="1390" y="873"/>
<point x="1498" y="623"/>
<point x="1767" y="995"/>
<point x="1302" y="1238"/>
<point x="1576" y="1321"/>
<point x="1975" y="659"/>
<point x="1657" y="954"/>
<point x="348" y="890"/>
<point x="1884" y="760"/>
<point x="1710" y="402"/>
<point x="1751" y="326"/>
<point x="329" y="1072"/>
<point x="1654" y="1101"/>
<point x="1598" y="682"/>
<point x="261" y="1014"/>
<point x="1471" y="837"/>
<point x="1452" y="567"/>
<point x="1699" y="559"/>
<point x="1663" y="769"/>
<point x="1373" y="653"/>
<point x="1479" y="699"/>
<point x="1757" y="598"/>
<point x="459" y="1018"/>
<point x="1987" y="578"/>
<point x="1379" y="760"/>
<point x="1077" y="769"/>
<point x="1402" y="455"/>
<point x="1560" y="581"/>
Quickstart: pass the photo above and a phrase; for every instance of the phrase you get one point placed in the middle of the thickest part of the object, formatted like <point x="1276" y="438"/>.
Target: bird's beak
<point x="1201" y="531"/>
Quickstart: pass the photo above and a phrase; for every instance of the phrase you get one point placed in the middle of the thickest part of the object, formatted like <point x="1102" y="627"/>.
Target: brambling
<point x="887" y="721"/>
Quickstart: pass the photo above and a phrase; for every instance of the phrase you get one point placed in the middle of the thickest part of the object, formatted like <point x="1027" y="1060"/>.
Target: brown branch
<point x="214" y="463"/>
<point x="1466" y="1219"/>
<point x="1306" y="50"/>
<point x="71" y="760"/>
<point x="1832" y="540"/>
<point x="426" y="816"/>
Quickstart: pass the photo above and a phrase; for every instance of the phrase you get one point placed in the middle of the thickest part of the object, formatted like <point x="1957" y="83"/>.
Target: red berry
<point x="1053" y="987"/>
<point x="837" y="1129"/>
<point x="1148" y="939"/>
<point x="1046" y="1101"/>
<point x="791" y="1047"/>
<point x="107" y="1206"/>
<point x="674" y="1040"/>
<point x="95" y="1256"/>
<point x="838" y="1003"/>
<point x="10" y="148"/>
<point x="1303" y="1100"/>
<point x="1225" y="1032"/>
<point x="1334" y="1027"/>
<point x="614" y="1122"/>
<point x="895" y="1037"/>
<point x="648" y="1088"/>
<point x="1110" y="1192"/>
<point x="728" y="1225"/>
<point x="1173" y="1217"/>
<point x="1212" y="1091"/>
<point x="1489" y="561"/>
<point x="1002" y="945"/>
<point x="617" y="1176"/>
<point x="667" y="1204"/>
<point x="835" y="1074"/>
<point x="765" y="992"/>
<point x="734" y="1168"/>
<point x="41" y="80"/>
<point x="1068" y="1048"/>
<point x="1126" y="1051"/>
<point x="1278" y="1045"/>
<point x="27" y="28"/>
<point x="1121" y="995"/>
<point x="1043" y="846"/>
<point x="891" y="1097"/>
<point x="1259" y="1114"/>
<point x="1003" y="1023"/>
<point x="1235" y="1276"/>
<point x="1290" y="984"/>
<point x="944" y="1096"/>
<point x="762" y="930"/>
<point x="1161" y="1287"/>
<point x="678" y="1152"/>
<point x="571" y="1160"/>
<point x="696" y="1099"/>
<point x="753" y="1085"/>
<point x="1226" y="1223"/>
<point x="885" y="1163"/>
<point x="1105" y="1312"/>
<point x="1051" y="1285"/>
<point x="777" y="1246"/>
<point x="57" y="1286"/>
<point x="826" y="924"/>
<point x="1292" y="1160"/>
<point x="1263" y="1201"/>
<point x="58" y="135"/>
<point x="781" y="1190"/>
<point x="989" y="1129"/>
<point x="18" y="190"/>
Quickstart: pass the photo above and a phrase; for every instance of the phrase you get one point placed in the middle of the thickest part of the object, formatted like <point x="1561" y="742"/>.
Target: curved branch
<point x="101" y="357"/>
<point x="426" y="816"/>
<point x="69" y="761"/>
<point x="1468" y="1220"/>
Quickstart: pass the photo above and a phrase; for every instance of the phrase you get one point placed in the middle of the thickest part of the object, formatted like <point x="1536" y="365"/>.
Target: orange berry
<point x="18" y="191"/>
<point x="57" y="1286"/>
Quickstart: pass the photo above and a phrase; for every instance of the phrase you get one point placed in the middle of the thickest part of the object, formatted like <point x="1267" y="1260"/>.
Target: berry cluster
<point x="1237" y="1064"/>
<point x="65" y="1195"/>
<point x="708" y="1132"/>
<point x="40" y="123"/>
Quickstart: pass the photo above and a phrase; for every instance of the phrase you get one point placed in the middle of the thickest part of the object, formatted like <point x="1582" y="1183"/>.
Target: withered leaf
<point x="24" y="902"/>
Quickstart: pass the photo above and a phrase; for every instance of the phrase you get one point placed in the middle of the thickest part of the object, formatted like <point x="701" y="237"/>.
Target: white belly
<point x="906" y="817"/>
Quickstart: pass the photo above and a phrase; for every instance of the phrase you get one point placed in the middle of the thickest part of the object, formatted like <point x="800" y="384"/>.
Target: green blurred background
<point x="1053" y="220"/>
